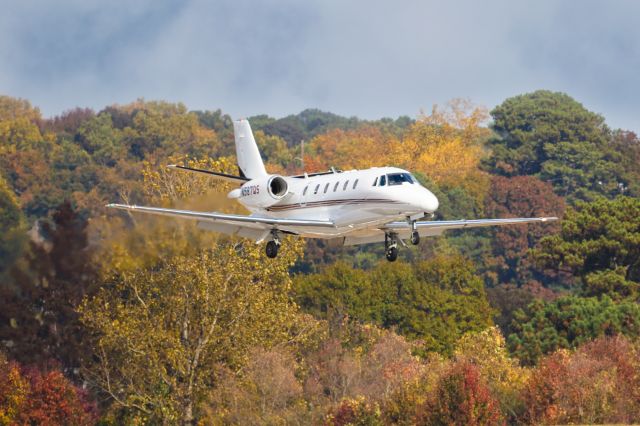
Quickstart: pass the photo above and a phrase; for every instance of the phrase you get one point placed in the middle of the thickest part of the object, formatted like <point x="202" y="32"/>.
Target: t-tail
<point x="249" y="161"/>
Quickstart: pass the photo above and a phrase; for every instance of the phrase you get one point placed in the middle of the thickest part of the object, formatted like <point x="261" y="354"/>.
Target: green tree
<point x="436" y="301"/>
<point x="101" y="140"/>
<point x="274" y="149"/>
<point x="628" y="144"/>
<point x="552" y="136"/>
<point x="12" y="227"/>
<point x="600" y="244"/>
<point x="567" y="322"/>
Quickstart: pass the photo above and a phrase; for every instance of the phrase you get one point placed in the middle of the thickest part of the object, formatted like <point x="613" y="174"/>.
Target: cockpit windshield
<point x="399" y="178"/>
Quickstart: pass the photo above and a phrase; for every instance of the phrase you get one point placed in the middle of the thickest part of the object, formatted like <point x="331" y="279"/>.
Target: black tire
<point x="392" y="254"/>
<point x="415" y="238"/>
<point x="272" y="249"/>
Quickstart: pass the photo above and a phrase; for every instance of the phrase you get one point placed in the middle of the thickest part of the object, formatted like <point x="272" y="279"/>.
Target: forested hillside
<point x="119" y="319"/>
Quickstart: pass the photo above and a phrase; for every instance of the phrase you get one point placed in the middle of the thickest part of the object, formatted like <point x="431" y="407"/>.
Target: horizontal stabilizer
<point x="216" y="175"/>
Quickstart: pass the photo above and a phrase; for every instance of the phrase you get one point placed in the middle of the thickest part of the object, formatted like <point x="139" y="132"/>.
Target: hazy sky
<point x="364" y="58"/>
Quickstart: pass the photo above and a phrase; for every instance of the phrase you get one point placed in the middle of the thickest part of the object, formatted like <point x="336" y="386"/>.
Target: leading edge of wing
<point x="472" y="223"/>
<point x="222" y="217"/>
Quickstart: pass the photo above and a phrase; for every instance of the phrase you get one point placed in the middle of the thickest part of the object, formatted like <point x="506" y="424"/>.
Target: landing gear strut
<point x="273" y="245"/>
<point x="391" y="247"/>
<point x="415" y="236"/>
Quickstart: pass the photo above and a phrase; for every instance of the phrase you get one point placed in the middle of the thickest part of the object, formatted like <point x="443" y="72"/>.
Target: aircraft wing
<point x="436" y="227"/>
<point x="248" y="226"/>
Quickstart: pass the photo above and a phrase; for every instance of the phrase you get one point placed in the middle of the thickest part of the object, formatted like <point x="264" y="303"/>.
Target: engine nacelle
<point x="263" y="192"/>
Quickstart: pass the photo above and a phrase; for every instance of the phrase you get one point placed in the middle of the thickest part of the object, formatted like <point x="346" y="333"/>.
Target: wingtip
<point x="119" y="206"/>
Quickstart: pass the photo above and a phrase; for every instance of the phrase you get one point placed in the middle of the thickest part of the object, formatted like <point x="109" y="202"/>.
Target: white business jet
<point x="381" y="204"/>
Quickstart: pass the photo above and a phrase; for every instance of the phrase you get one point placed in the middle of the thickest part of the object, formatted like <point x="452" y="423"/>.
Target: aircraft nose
<point x="429" y="202"/>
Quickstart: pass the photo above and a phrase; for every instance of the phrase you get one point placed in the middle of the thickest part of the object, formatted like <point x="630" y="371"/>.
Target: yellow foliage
<point x="13" y="391"/>
<point x="160" y="330"/>
<point x="504" y="375"/>
<point x="445" y="146"/>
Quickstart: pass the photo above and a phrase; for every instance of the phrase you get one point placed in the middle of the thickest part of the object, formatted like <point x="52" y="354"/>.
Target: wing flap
<point x="439" y="226"/>
<point x="258" y="222"/>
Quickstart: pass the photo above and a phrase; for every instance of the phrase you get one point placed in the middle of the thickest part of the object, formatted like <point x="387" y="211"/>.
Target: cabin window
<point x="375" y="182"/>
<point x="305" y="190"/>
<point x="315" y="191"/>
<point x="326" y="187"/>
<point x="383" y="180"/>
<point x="335" y="187"/>
<point x="399" y="178"/>
<point x="344" y="188"/>
<point x="355" y="184"/>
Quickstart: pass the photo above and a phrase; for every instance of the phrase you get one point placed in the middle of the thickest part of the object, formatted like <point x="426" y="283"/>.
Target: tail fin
<point x="249" y="160"/>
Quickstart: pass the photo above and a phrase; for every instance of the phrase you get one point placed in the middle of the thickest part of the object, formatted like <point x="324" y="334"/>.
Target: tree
<point x="101" y="140"/>
<point x="628" y="144"/>
<point x="159" y="331"/>
<point x="600" y="244"/>
<point x="436" y="301"/>
<point x="520" y="196"/>
<point x="69" y="121"/>
<point x="487" y="350"/>
<point x="267" y="391"/>
<point x="11" y="227"/>
<point x="567" y="322"/>
<point x="355" y="412"/>
<point x="31" y="396"/>
<point x="13" y="391"/>
<point x="552" y="136"/>
<point x="598" y="383"/>
<point x="274" y="150"/>
<point x="19" y="124"/>
<point x="462" y="398"/>
<point x="38" y="318"/>
<point x="444" y="146"/>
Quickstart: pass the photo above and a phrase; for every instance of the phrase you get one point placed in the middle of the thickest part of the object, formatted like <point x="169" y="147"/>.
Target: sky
<point x="369" y="59"/>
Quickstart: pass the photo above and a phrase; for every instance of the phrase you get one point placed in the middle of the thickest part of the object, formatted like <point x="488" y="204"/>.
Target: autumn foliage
<point x="32" y="396"/>
<point x="165" y="324"/>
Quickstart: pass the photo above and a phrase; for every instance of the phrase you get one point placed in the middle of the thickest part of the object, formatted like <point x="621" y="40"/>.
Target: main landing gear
<point x="415" y="235"/>
<point x="273" y="245"/>
<point x="391" y="246"/>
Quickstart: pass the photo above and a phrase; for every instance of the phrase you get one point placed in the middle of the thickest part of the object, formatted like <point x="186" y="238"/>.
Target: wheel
<point x="272" y="249"/>
<point x="415" y="238"/>
<point x="392" y="254"/>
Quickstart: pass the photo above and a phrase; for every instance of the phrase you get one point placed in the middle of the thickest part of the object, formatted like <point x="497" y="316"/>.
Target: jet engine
<point x="262" y="192"/>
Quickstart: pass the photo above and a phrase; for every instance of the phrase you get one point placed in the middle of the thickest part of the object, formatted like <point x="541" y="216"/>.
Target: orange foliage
<point x="445" y="146"/>
<point x="29" y="397"/>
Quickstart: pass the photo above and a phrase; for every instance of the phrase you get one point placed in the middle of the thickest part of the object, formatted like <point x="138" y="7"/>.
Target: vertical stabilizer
<point x="249" y="160"/>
